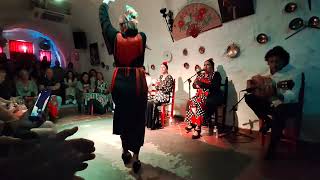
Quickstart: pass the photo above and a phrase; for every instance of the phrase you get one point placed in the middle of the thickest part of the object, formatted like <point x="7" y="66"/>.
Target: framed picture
<point x="234" y="9"/>
<point x="94" y="54"/>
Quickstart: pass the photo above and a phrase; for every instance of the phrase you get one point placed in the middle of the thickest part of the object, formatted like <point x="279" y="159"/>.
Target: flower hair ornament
<point x="130" y="13"/>
<point x="129" y="17"/>
<point x="165" y="63"/>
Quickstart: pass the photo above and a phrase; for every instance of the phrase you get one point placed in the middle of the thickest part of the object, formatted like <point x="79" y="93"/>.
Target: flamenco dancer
<point x="128" y="88"/>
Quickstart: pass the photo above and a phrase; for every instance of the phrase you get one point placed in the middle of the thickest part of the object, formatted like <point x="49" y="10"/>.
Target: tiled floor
<point x="170" y="153"/>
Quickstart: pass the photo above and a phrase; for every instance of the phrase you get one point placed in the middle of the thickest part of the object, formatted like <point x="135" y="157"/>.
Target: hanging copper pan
<point x="296" y="23"/>
<point x="290" y="7"/>
<point x="262" y="38"/>
<point x="313" y="21"/>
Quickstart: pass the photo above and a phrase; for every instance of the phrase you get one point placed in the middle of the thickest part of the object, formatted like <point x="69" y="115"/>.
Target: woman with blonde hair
<point x="128" y="87"/>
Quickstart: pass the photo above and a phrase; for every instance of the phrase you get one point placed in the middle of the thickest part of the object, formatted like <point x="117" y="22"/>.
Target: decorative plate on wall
<point x="290" y="7"/>
<point x="296" y="23"/>
<point x="167" y="56"/>
<point x="314" y="22"/>
<point x="185" y="52"/>
<point x="233" y="50"/>
<point x="262" y="38"/>
<point x="202" y="50"/>
<point x="153" y="67"/>
<point x="186" y="65"/>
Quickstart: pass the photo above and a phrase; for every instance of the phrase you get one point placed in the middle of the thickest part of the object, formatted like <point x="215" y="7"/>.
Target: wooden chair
<point x="220" y="114"/>
<point x="168" y="113"/>
<point x="1" y="127"/>
<point x="291" y="133"/>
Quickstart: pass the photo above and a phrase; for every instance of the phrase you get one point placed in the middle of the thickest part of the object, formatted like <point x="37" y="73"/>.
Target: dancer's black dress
<point x="129" y="88"/>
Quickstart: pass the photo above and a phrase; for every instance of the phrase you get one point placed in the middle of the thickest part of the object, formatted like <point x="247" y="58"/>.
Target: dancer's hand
<point x="107" y="1"/>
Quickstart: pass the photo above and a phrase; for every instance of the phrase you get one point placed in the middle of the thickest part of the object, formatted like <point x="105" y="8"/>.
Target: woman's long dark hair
<point x="84" y="73"/>
<point x="67" y="75"/>
<point x="211" y="62"/>
<point x="92" y="70"/>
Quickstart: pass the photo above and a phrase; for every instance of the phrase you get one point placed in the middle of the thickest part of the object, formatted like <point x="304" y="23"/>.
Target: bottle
<point x="170" y="120"/>
<point x="215" y="131"/>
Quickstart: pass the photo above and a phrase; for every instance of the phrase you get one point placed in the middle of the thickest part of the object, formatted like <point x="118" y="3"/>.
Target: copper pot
<point x="291" y="7"/>
<point x="233" y="51"/>
<point x="296" y="23"/>
<point x="313" y="21"/>
<point x="262" y="38"/>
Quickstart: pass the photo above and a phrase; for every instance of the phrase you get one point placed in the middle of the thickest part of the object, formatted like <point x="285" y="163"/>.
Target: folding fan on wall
<point x="194" y="19"/>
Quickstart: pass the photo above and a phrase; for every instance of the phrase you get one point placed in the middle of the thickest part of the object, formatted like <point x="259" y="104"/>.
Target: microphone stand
<point x="234" y="130"/>
<point x="189" y="81"/>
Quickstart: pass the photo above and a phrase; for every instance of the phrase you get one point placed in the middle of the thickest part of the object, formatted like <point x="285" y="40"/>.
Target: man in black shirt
<point x="7" y="88"/>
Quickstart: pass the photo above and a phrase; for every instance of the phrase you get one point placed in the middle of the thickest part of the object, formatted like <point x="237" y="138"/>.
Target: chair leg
<point x="171" y="112"/>
<point x="262" y="136"/>
<point x="163" y="114"/>
<point x="91" y="107"/>
<point x="263" y="139"/>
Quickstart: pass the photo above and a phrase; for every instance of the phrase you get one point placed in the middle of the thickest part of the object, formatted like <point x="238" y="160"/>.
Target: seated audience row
<point x="66" y="87"/>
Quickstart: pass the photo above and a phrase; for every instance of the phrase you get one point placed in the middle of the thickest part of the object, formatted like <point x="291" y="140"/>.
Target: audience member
<point x="7" y="87"/>
<point x="26" y="88"/>
<point x="70" y="92"/>
<point x="58" y="72"/>
<point x="83" y="86"/>
<point x="48" y="82"/>
<point x="103" y="88"/>
<point x="93" y="78"/>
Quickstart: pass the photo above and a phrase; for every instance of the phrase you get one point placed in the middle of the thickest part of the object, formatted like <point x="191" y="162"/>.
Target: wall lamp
<point x="168" y="17"/>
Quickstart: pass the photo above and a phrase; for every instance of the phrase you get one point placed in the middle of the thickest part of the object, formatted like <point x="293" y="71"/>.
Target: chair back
<point x="172" y="96"/>
<point x="293" y="133"/>
<point x="164" y="112"/>
<point x="222" y="115"/>
<point x="301" y="102"/>
<point x="225" y="86"/>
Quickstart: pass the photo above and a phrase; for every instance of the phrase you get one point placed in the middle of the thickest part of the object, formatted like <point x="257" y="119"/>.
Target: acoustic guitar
<point x="264" y="86"/>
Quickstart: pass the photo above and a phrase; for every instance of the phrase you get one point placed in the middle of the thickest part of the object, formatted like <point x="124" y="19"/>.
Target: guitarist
<point x="284" y="101"/>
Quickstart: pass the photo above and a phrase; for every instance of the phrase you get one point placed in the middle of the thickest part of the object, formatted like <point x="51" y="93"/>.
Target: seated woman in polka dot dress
<point x="197" y="108"/>
<point x="164" y="86"/>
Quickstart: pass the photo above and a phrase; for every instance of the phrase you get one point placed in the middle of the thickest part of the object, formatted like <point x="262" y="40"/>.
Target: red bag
<point x="53" y="107"/>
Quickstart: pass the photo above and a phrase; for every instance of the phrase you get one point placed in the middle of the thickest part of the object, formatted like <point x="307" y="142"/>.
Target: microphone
<point x="249" y="89"/>
<point x="200" y="71"/>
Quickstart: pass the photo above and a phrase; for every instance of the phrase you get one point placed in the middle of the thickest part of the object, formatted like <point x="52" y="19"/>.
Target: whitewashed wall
<point x="269" y="18"/>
